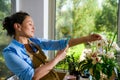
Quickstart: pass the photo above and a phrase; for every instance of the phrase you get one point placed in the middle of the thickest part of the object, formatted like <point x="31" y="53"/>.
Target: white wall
<point x="36" y="9"/>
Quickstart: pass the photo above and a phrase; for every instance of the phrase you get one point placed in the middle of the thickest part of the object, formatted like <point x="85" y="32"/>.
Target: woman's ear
<point x="17" y="26"/>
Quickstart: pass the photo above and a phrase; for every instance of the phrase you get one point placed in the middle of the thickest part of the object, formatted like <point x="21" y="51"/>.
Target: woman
<point x="24" y="55"/>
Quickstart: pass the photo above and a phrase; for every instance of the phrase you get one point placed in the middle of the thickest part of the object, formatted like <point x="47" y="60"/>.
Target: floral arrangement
<point x="100" y="59"/>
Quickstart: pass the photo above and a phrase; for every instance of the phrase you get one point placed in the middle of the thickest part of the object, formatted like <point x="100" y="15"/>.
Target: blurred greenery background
<point x="5" y="9"/>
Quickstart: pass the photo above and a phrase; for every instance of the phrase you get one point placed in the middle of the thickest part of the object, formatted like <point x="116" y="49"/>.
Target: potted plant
<point x="100" y="59"/>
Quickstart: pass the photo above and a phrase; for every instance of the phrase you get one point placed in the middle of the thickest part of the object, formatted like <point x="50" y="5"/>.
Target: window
<point x="5" y="10"/>
<point x="76" y="18"/>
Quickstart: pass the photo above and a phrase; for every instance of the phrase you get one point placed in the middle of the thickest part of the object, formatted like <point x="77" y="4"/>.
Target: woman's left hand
<point x="94" y="37"/>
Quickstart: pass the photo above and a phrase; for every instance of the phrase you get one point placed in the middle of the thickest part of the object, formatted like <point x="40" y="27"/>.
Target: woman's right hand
<point x="61" y="54"/>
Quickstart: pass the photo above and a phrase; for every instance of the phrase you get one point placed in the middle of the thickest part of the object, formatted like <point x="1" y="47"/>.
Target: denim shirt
<point x="19" y="62"/>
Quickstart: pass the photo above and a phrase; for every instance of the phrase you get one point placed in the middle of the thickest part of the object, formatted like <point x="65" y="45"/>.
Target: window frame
<point x="118" y="55"/>
<point x="51" y="24"/>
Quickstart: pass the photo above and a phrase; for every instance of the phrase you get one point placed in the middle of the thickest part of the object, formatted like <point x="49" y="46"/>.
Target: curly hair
<point x="8" y="22"/>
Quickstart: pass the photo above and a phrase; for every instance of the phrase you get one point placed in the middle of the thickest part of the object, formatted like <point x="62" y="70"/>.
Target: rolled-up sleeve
<point x="51" y="44"/>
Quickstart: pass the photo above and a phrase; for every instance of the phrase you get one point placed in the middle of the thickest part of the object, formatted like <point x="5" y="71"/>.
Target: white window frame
<point x="49" y="22"/>
<point x="118" y="55"/>
<point x="14" y="5"/>
<point x="51" y="18"/>
<point x="119" y="23"/>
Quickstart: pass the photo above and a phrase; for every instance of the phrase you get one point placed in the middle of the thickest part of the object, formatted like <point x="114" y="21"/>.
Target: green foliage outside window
<point x="5" y="9"/>
<point x="76" y="18"/>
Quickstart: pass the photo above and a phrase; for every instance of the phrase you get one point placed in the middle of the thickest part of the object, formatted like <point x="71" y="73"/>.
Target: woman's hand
<point x="62" y="54"/>
<point x="93" y="37"/>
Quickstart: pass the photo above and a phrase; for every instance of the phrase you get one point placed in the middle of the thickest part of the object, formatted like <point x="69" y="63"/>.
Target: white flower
<point x="85" y="53"/>
<point x="110" y="55"/>
<point x="115" y="46"/>
<point x="100" y="43"/>
<point x="95" y="60"/>
<point x="95" y="57"/>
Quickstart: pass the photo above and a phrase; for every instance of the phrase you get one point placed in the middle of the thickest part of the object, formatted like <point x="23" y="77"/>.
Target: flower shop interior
<point x="58" y="19"/>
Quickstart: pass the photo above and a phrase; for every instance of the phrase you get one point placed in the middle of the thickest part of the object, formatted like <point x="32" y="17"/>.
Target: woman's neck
<point x="22" y="40"/>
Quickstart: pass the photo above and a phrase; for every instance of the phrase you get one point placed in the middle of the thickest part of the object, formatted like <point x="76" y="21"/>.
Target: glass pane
<point x="5" y="9"/>
<point x="76" y="18"/>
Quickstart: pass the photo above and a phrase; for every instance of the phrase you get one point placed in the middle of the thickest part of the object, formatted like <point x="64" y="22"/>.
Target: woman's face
<point x="27" y="27"/>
